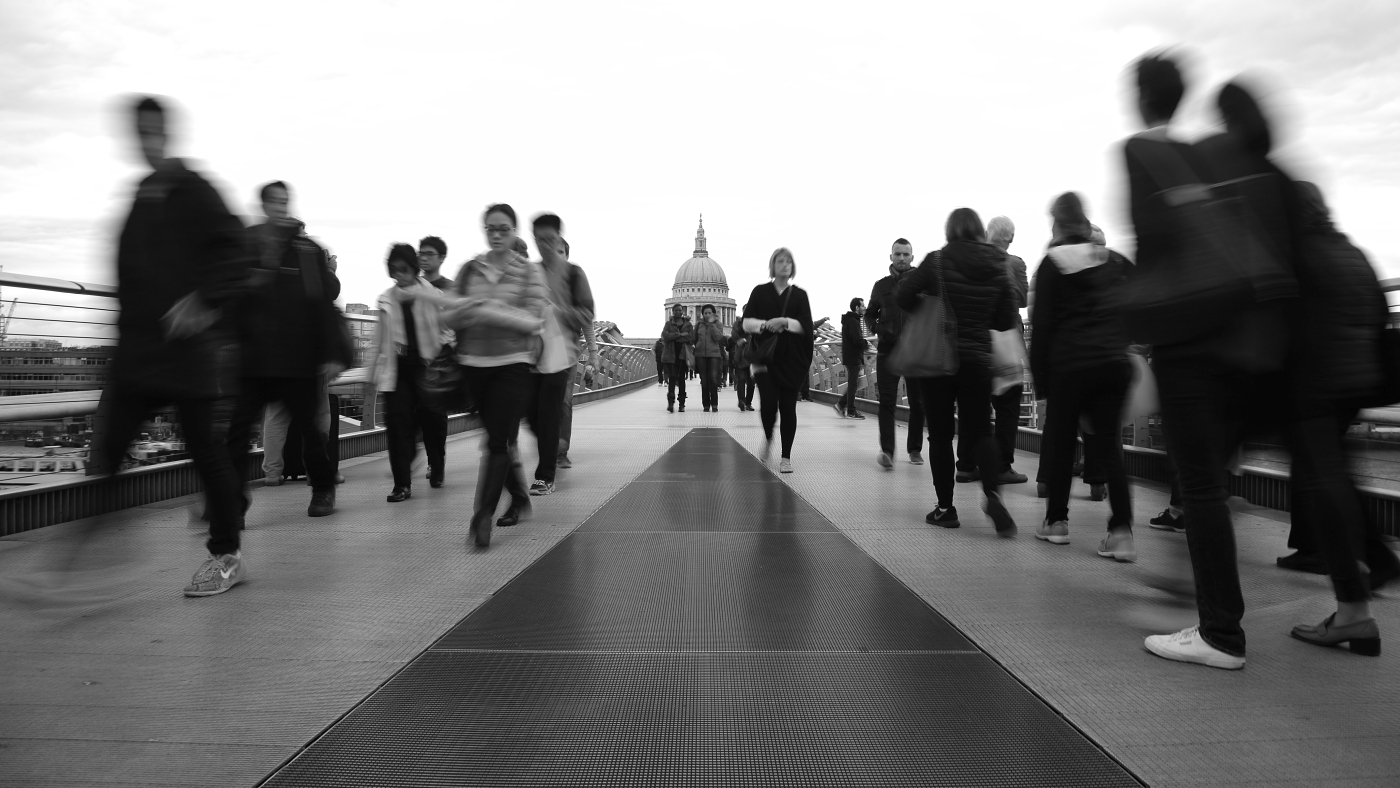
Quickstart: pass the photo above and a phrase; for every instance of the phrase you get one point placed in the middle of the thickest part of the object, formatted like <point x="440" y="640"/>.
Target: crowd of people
<point x="232" y="324"/>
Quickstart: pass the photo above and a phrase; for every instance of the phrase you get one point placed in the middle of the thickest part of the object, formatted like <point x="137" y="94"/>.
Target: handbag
<point x="1219" y="269"/>
<point x="1008" y="360"/>
<point x="764" y="344"/>
<point x="442" y="378"/>
<point x="928" y="340"/>
<point x="338" y="344"/>
<point x="1142" y="400"/>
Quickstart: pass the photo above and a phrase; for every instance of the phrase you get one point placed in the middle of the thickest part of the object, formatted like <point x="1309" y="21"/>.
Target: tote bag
<point x="554" y="357"/>
<point x="1008" y="360"/>
<point x="928" y="341"/>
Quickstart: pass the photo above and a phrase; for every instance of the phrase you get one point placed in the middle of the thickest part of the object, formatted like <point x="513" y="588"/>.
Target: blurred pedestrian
<point x="779" y="313"/>
<point x="1006" y="406"/>
<point x="579" y="321"/>
<point x="884" y="318"/>
<point x="980" y="296"/>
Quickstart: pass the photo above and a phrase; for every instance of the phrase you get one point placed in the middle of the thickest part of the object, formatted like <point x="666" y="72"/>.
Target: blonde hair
<point x="773" y="259"/>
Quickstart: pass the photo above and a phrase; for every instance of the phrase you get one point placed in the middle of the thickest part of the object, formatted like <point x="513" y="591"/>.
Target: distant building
<point x="46" y="367"/>
<point x="701" y="281"/>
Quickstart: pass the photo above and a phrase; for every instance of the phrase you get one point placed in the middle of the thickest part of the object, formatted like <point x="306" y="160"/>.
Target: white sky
<point x="828" y="128"/>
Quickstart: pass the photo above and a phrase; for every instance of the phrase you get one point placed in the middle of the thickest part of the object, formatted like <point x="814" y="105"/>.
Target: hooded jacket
<point x="1076" y="323"/>
<point x="675" y="338"/>
<point x="853" y="342"/>
<point x="883" y="316"/>
<point x="979" y="295"/>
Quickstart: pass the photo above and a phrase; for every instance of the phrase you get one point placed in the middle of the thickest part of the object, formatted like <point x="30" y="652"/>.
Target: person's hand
<point x="588" y="370"/>
<point x="187" y="317"/>
<point x="330" y="369"/>
<point x="776" y="324"/>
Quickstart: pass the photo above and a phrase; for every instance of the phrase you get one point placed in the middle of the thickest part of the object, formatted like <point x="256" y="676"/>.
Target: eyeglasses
<point x="504" y="230"/>
<point x="427" y="254"/>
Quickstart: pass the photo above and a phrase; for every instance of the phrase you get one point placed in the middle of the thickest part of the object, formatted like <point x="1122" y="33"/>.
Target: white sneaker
<point x="217" y="575"/>
<point x="1119" y="546"/>
<point x="785" y="465"/>
<point x="1054" y="533"/>
<point x="1188" y="646"/>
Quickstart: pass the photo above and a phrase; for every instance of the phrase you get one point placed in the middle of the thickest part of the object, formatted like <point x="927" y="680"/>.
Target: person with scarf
<point x="407" y="339"/>
<point x="980" y="298"/>
<point x="780" y="308"/>
<point x="1079" y="361"/>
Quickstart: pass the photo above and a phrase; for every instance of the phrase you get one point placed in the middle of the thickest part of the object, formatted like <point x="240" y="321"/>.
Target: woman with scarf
<point x="1079" y="360"/>
<point x="971" y="276"/>
<point x="407" y="339"/>
<point x="779" y="311"/>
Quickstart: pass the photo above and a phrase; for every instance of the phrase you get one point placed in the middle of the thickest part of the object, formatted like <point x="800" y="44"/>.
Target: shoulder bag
<point x="928" y="340"/>
<point x="764" y="344"/>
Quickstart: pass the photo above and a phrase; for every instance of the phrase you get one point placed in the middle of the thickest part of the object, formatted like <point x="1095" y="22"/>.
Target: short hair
<point x="773" y="258"/>
<point x="964" y="225"/>
<point x="402" y="253"/>
<point x="710" y="307"/>
<point x="501" y="207"/>
<point x="1159" y="84"/>
<point x="1000" y="229"/>
<point x="267" y="187"/>
<point x="565" y="241"/>
<point x="855" y="302"/>
<point x="904" y="241"/>
<point x="548" y="220"/>
<point x="147" y="104"/>
<point x="1068" y="213"/>
<point x="1244" y="120"/>
<point x="436" y="243"/>
<point x="674" y="307"/>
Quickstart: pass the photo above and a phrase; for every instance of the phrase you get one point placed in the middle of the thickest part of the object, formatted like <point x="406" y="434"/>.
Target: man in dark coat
<point x="884" y="319"/>
<point x="853" y="345"/>
<point x="738" y="349"/>
<point x="180" y="266"/>
<point x="290" y="341"/>
<point x="677" y="336"/>
<point x="1007" y="405"/>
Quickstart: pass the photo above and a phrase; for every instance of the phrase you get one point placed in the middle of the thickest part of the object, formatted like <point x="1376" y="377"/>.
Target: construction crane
<point x="7" y="311"/>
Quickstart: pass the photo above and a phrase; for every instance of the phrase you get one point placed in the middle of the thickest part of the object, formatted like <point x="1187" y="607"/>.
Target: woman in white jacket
<point x="408" y="337"/>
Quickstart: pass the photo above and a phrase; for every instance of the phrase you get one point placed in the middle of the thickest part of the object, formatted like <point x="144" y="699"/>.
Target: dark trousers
<point x="1207" y="408"/>
<point x="660" y="373"/>
<point x="775" y="399"/>
<point x="501" y="395"/>
<point x="709" y="369"/>
<point x="302" y="397"/>
<point x="544" y="413"/>
<point x="675" y="378"/>
<point x="848" y="400"/>
<point x="744" y="385"/>
<point x="204" y="425"/>
<point x="1006" y="413"/>
<point x="404" y="415"/>
<point x="971" y="391"/>
<point x="887" y="384"/>
<point x="1098" y="392"/>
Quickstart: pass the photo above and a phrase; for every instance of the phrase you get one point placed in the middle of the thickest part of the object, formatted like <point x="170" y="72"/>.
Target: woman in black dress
<point x="780" y="307"/>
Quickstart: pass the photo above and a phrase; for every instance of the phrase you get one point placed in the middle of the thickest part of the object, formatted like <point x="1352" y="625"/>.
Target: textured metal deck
<point x="706" y="626"/>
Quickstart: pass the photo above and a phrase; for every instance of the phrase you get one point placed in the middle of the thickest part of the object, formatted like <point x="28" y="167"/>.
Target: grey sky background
<point x="828" y="128"/>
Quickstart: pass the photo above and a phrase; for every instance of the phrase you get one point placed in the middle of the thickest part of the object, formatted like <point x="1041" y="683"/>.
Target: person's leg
<point x="433" y="422"/>
<point x="205" y="424"/>
<point x="548" y="409"/>
<point x="975" y="425"/>
<point x="1057" y="444"/>
<point x="787" y="407"/>
<point x="707" y="380"/>
<point x="399" y="428"/>
<point x="741" y="385"/>
<point x="500" y="394"/>
<point x="1194" y="405"/>
<point x="116" y="423"/>
<point x="300" y="395"/>
<point x="566" y="414"/>
<point x="939" y="395"/>
<point x="254" y="394"/>
<point x="749" y="388"/>
<point x="680" y="391"/>
<point x="1104" y="403"/>
<point x="767" y="403"/>
<point x="914" y="443"/>
<point x="1007" y="407"/>
<point x="887" y="384"/>
<point x="1332" y="504"/>
<point x="276" y="421"/>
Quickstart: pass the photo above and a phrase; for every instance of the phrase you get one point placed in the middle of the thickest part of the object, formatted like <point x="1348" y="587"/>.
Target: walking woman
<point x="407" y="338"/>
<point x="498" y="319"/>
<point x="709" y="351"/>
<point x="779" y="311"/>
<point x="1079" y="360"/>
<point x="980" y="298"/>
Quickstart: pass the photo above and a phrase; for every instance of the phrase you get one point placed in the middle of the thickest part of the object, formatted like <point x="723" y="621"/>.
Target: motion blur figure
<point x="1006" y="406"/>
<point x="180" y="269"/>
<point x="578" y="324"/>
<point x="782" y="308"/>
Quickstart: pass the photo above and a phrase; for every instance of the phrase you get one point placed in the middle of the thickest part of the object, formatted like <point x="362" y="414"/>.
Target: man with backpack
<point x="884" y="318"/>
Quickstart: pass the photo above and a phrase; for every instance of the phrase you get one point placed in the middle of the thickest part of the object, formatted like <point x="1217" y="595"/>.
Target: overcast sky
<point x="828" y="128"/>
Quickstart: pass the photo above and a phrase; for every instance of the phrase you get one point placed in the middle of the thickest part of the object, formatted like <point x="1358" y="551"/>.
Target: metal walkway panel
<point x="637" y="652"/>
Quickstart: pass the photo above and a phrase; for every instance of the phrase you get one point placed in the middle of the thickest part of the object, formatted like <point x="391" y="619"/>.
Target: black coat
<point x="979" y="295"/>
<point x="1076" y="323"/>
<point x="793" y="357"/>
<point x="853" y="342"/>
<point x="287" y="322"/>
<point x="883" y="317"/>
<point x="179" y="239"/>
<point x="1341" y="314"/>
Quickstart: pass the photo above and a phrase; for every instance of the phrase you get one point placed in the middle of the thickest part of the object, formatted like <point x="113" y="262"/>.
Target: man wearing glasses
<point x="432" y="250"/>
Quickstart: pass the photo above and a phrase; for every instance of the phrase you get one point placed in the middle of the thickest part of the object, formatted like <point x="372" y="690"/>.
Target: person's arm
<point x="924" y="279"/>
<point x="873" y="309"/>
<point x="670" y="331"/>
<point x="1018" y="281"/>
<point x="1043" y="319"/>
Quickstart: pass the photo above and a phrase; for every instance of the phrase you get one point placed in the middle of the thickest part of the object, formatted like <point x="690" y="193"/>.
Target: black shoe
<point x="682" y="408"/>
<point x="1303" y="562"/>
<point x="967" y="476"/>
<point x="518" y="510"/>
<point x="1001" y="518"/>
<point x="947" y="518"/>
<point x="1166" y="521"/>
<point x="670" y="407"/>
<point x="400" y="494"/>
<point x="1042" y="490"/>
<point x="1010" y="476"/>
<point x="1098" y="492"/>
<point x="480" y="531"/>
<point x="435" y="478"/>
<point x="322" y="502"/>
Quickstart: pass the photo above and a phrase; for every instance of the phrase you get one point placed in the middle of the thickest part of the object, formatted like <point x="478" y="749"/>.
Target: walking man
<point x="743" y="379"/>
<point x="582" y="295"/>
<point x="1007" y="405"/>
<point x="884" y="318"/>
<point x="853" y="345"/>
<point x="676" y="336"/>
